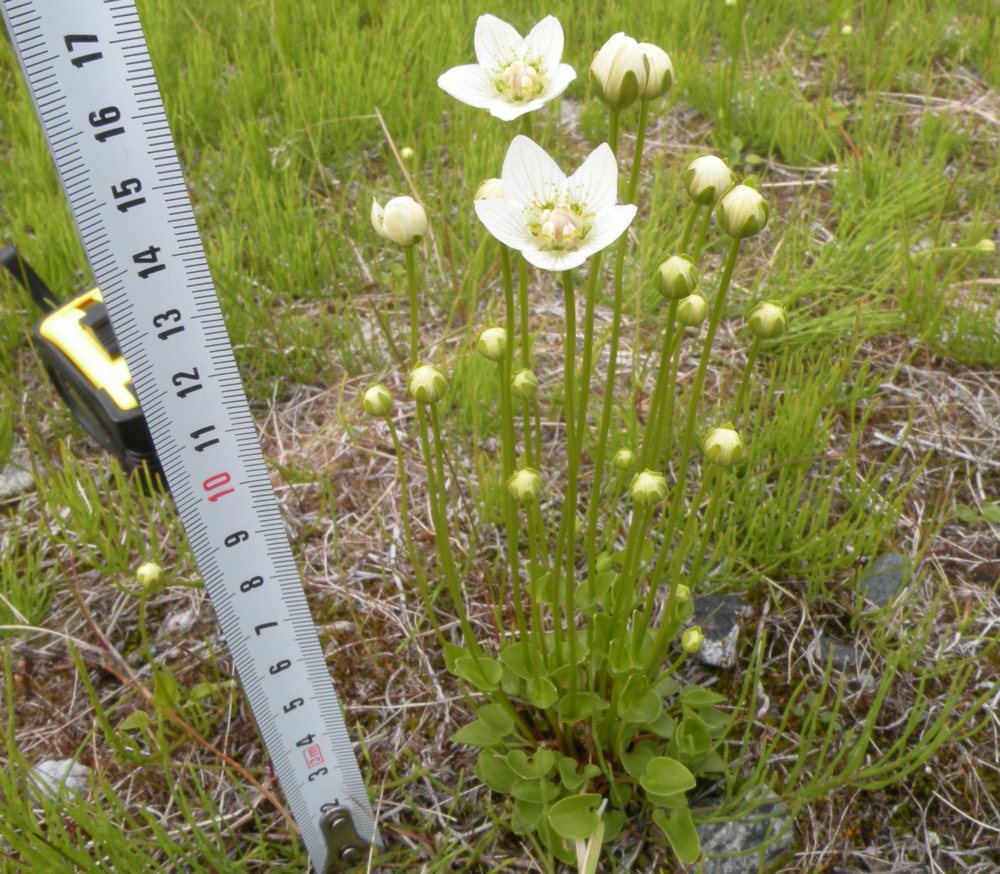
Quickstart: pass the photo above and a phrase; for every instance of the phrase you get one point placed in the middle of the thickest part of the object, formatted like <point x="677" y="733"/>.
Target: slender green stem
<point x="693" y="406"/>
<point x="586" y="365"/>
<point x="688" y="228"/>
<point x="415" y="557"/>
<point x="614" y="122"/>
<point x="741" y="394"/>
<point x="527" y="125"/>
<point x="411" y="284"/>
<point x="665" y="425"/>
<point x="532" y="448"/>
<point x="650" y="447"/>
<point x="572" y="448"/>
<point x="640" y="141"/>
<point x="702" y="233"/>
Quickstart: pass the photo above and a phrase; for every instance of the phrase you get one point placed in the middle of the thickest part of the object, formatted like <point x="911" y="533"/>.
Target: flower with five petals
<point x="554" y="221"/>
<point x="514" y="75"/>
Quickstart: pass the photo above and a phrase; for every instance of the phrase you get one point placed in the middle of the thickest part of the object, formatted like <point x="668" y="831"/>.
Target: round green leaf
<point x="666" y="776"/>
<point x="680" y="831"/>
<point x="575" y="817"/>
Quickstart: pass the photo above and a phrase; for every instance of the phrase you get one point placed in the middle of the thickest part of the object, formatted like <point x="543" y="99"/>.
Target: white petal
<point x="505" y="222"/>
<point x="469" y="84"/>
<point x="595" y="185"/>
<point x="544" y="44"/>
<point x="530" y="176"/>
<point x="497" y="43"/>
<point x="507" y="110"/>
<point x="608" y="226"/>
<point x="556" y="81"/>
<point x="550" y="259"/>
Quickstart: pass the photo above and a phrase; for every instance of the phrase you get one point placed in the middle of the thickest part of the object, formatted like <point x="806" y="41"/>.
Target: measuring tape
<point x="90" y="76"/>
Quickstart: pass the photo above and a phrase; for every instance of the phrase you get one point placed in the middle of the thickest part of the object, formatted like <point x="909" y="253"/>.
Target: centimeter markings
<point x="92" y="82"/>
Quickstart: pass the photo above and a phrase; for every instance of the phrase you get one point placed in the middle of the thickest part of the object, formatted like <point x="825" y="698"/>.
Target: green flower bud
<point x="692" y="639"/>
<point x="618" y="72"/>
<point x="985" y="246"/>
<point x="723" y="446"/>
<point x="403" y="220"/>
<point x="648" y="487"/>
<point x="603" y="563"/>
<point x="524" y="384"/>
<point x="707" y="178"/>
<point x="692" y="311"/>
<point x="743" y="212"/>
<point x="492" y="344"/>
<point x="846" y="30"/>
<point x="525" y="485"/>
<point x="406" y="153"/>
<point x="490" y="189"/>
<point x="659" y="71"/>
<point x="426" y="384"/>
<point x="377" y="401"/>
<point x="624" y="460"/>
<point x="676" y="278"/>
<point x="767" y="320"/>
<point x="148" y="575"/>
<point x="683" y="594"/>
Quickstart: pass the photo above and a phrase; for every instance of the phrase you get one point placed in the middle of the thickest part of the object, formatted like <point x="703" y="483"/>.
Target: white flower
<point x="514" y="75"/>
<point x="403" y="220"/>
<point x="618" y="72"/>
<point x="555" y="222"/>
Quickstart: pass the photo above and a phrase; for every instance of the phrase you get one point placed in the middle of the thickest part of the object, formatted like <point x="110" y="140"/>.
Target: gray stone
<point x="882" y="579"/>
<point x="844" y="655"/>
<point x="719" y="617"/>
<point x="15" y="478"/>
<point x="744" y="835"/>
<point x="51" y="778"/>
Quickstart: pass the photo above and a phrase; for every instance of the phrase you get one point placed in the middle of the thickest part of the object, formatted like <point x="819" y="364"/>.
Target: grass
<point x="878" y="151"/>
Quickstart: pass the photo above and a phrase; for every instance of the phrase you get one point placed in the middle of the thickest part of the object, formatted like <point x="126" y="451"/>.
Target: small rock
<point x="178" y="622"/>
<point x="342" y="626"/>
<point x="719" y="617"/>
<point x="882" y="579"/>
<point x="742" y="835"/>
<point x="15" y="478"/>
<point x="49" y="779"/>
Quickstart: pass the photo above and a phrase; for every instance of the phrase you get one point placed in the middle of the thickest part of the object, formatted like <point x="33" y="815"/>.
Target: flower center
<point x="521" y="81"/>
<point x="559" y="228"/>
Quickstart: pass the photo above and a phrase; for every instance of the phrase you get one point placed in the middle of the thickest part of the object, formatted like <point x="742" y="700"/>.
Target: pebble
<point x="883" y="578"/>
<point x="744" y="835"/>
<point x="53" y="776"/>
<point x="719" y="617"/>
<point x="15" y="478"/>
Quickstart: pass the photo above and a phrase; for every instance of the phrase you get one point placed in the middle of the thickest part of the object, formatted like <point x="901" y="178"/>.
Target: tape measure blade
<point x="91" y="80"/>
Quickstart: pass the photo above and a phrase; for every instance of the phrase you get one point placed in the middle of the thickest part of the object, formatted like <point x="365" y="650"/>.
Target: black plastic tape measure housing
<point x="81" y="355"/>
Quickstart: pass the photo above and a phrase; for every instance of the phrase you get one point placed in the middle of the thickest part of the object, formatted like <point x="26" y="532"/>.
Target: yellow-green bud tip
<point x="624" y="460"/>
<point x="723" y="446"/>
<point x="524" y="384"/>
<point x="525" y="485"/>
<point x="767" y="320"/>
<point x="676" y="278"/>
<point x="492" y="344"/>
<point x="148" y="575"/>
<point x="692" y="639"/>
<point x="692" y="311"/>
<point x="406" y="153"/>
<point x="377" y="401"/>
<point x="743" y="212"/>
<point x="648" y="487"/>
<point x="683" y="594"/>
<point x="985" y="246"/>
<point x="426" y="384"/>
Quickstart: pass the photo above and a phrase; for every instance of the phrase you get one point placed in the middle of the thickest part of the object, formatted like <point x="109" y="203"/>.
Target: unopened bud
<point x="743" y="212"/>
<point x="403" y="220"/>
<point x="525" y="485"/>
<point x="683" y="594"/>
<point x="648" y="487"/>
<point x="676" y="278"/>
<point x="692" y="639"/>
<point x="723" y="446"/>
<point x="659" y="71"/>
<point x="148" y="575"/>
<point x="377" y="401"/>
<point x="490" y="189"/>
<point x="846" y="30"/>
<point x="524" y="384"/>
<point x="426" y="384"/>
<point x="492" y="344"/>
<point x="406" y="153"/>
<point x="618" y="72"/>
<point x="985" y="246"/>
<point x="624" y="460"/>
<point x="692" y="311"/>
<point x="707" y="178"/>
<point x="767" y="320"/>
<point x="603" y="563"/>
